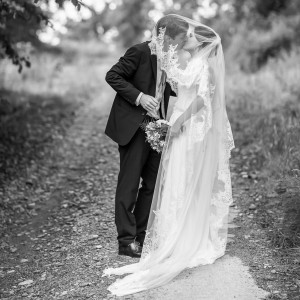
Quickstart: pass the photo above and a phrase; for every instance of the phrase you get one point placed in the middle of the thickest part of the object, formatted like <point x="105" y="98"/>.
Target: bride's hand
<point x="176" y="129"/>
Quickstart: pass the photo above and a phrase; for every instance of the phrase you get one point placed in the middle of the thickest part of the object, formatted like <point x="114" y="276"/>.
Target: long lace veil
<point x="209" y="138"/>
<point x="190" y="210"/>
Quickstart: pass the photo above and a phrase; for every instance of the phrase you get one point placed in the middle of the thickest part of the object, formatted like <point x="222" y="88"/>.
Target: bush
<point x="267" y="104"/>
<point x="251" y="49"/>
<point x="273" y="85"/>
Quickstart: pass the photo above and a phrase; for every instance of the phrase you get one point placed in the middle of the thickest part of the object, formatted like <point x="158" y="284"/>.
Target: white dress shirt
<point x="154" y="113"/>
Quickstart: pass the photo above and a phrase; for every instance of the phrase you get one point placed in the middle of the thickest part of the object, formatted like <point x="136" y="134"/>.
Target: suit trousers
<point x="133" y="200"/>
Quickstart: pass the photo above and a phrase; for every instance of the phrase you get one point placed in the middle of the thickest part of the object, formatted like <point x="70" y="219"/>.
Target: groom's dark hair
<point x="173" y="25"/>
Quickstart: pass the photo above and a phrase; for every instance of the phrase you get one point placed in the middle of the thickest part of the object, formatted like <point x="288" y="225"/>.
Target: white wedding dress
<point x="188" y="220"/>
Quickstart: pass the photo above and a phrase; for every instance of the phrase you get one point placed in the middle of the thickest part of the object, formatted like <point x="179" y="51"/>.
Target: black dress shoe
<point x="133" y="250"/>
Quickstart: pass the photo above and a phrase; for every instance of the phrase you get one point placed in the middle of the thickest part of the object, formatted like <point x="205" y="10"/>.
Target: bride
<point x="187" y="226"/>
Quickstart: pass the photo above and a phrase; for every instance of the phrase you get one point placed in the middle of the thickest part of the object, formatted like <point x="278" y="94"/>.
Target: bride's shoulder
<point x="198" y="62"/>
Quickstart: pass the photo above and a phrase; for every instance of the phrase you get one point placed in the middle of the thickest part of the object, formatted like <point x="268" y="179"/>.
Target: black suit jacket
<point x="135" y="72"/>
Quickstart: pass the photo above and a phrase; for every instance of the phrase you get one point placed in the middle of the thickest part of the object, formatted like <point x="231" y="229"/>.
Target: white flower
<point x="159" y="122"/>
<point x="150" y="125"/>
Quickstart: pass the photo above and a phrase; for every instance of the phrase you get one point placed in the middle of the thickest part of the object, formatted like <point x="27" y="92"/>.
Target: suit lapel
<point x="167" y="93"/>
<point x="167" y="90"/>
<point x="154" y="66"/>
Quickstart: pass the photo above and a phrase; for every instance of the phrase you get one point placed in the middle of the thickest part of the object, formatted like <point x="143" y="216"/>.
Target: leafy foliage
<point x="266" y="110"/>
<point x="19" y="22"/>
<point x="21" y="19"/>
<point x="130" y="24"/>
<point x="257" y="31"/>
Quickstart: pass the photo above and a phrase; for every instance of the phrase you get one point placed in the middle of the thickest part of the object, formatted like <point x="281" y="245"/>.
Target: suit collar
<point x="153" y="63"/>
<point x="154" y="66"/>
<point x="167" y="91"/>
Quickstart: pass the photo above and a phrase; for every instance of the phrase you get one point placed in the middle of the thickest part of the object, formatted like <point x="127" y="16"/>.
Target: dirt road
<point x="58" y="251"/>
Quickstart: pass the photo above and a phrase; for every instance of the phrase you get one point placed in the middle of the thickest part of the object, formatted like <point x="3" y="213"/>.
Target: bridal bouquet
<point x="156" y="132"/>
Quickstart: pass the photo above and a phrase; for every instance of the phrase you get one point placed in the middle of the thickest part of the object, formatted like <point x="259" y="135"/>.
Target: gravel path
<point x="59" y="251"/>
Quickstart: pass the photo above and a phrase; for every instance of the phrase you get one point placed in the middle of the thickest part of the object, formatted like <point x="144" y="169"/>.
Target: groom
<point x="136" y="78"/>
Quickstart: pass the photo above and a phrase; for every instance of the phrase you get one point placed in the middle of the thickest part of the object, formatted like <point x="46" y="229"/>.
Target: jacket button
<point x="143" y="114"/>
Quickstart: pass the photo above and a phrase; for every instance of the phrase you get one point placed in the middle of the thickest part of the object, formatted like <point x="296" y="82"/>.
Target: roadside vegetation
<point x="262" y="50"/>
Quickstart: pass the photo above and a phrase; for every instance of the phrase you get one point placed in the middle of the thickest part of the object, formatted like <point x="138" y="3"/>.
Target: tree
<point x="19" y="22"/>
<point x="131" y="19"/>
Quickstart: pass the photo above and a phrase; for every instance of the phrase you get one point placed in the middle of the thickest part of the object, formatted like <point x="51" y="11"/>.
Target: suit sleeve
<point x="117" y="77"/>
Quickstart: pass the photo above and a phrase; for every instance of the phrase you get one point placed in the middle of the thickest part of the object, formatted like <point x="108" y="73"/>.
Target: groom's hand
<point x="148" y="102"/>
